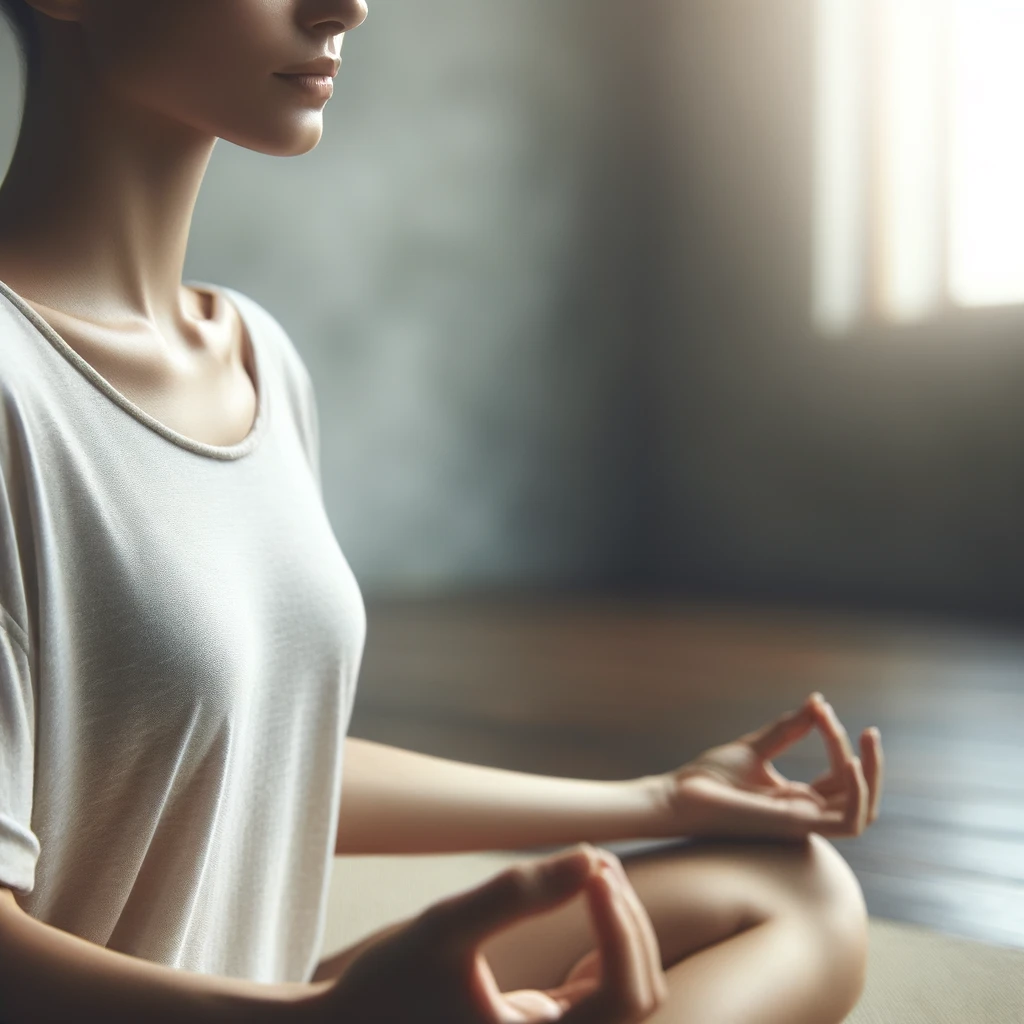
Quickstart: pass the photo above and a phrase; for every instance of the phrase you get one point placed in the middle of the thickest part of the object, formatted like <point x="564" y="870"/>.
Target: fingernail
<point x="816" y="696"/>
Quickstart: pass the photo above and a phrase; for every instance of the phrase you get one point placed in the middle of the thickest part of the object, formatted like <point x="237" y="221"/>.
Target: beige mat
<point x="915" y="976"/>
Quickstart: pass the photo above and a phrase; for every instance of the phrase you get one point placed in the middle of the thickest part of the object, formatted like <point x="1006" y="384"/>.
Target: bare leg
<point x="750" y="933"/>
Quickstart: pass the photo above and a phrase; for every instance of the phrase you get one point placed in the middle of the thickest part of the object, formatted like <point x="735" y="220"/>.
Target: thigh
<point x="696" y="893"/>
<point x="708" y="905"/>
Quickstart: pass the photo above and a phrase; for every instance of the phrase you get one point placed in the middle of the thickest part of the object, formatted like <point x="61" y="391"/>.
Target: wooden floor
<point x="597" y="688"/>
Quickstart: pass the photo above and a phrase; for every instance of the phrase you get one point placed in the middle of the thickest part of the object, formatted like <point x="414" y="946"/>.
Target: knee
<point x="840" y="916"/>
<point x="811" y="875"/>
<point x="812" y="884"/>
<point x="832" y="885"/>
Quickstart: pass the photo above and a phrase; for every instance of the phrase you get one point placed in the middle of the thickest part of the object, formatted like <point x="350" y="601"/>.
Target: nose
<point x="349" y="13"/>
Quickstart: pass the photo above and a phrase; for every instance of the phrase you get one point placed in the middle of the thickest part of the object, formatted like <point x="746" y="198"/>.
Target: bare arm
<point x="400" y="801"/>
<point x="48" y="975"/>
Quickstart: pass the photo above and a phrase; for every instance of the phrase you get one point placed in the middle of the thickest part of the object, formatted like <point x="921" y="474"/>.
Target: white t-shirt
<point x="180" y="641"/>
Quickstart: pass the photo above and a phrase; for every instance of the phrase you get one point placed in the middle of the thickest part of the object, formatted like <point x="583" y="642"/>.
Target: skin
<point x="95" y="213"/>
<point x="96" y="208"/>
<point x="783" y="914"/>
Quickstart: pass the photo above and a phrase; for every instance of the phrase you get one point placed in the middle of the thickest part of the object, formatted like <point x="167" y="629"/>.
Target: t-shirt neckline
<point x="224" y="452"/>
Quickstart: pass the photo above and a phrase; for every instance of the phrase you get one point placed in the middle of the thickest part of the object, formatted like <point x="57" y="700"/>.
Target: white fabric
<point x="180" y="642"/>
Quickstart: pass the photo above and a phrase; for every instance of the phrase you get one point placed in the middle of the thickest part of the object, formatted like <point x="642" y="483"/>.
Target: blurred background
<point x="670" y="364"/>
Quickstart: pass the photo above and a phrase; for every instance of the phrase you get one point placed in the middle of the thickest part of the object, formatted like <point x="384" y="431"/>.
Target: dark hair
<point x="22" y="21"/>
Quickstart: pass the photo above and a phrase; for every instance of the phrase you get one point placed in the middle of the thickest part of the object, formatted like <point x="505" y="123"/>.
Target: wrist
<point x="657" y="795"/>
<point x="305" y="1003"/>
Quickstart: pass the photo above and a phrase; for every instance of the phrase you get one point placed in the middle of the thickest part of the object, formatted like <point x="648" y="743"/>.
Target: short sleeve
<point x="19" y="846"/>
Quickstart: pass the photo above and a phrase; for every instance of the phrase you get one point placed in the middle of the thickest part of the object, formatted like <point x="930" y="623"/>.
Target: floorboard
<point x="600" y="688"/>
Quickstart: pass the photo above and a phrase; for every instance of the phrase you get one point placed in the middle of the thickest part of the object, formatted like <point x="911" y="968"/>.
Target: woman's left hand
<point x="733" y="790"/>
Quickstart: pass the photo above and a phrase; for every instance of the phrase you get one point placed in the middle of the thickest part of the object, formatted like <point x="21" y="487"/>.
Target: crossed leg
<point x="750" y="933"/>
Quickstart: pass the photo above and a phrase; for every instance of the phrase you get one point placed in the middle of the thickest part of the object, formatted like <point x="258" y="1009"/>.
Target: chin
<point x="296" y="142"/>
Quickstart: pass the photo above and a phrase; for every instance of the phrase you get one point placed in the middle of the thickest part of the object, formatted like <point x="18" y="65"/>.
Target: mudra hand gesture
<point x="431" y="968"/>
<point x="733" y="790"/>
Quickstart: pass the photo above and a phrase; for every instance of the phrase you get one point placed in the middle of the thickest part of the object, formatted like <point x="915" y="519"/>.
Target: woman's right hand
<point x="433" y="969"/>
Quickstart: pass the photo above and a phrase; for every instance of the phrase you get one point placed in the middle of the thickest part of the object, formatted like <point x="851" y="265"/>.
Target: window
<point x="919" y="178"/>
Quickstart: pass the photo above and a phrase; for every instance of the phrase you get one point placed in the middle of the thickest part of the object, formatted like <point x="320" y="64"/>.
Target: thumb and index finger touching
<point x="846" y="775"/>
<point x="469" y="918"/>
<point x="627" y="941"/>
<point x="770" y="740"/>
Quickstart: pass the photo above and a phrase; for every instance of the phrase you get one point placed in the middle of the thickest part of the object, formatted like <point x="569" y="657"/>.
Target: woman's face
<point x="206" y="64"/>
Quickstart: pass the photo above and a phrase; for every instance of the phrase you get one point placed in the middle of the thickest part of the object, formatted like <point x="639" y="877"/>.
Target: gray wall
<point x="882" y="468"/>
<point x="550" y="269"/>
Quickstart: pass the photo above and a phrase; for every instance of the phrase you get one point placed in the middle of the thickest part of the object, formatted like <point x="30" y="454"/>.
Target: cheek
<point x="196" y="61"/>
<point x="207" y="64"/>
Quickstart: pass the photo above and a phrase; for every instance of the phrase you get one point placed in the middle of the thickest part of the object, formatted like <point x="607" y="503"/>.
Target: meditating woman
<point x="180" y="637"/>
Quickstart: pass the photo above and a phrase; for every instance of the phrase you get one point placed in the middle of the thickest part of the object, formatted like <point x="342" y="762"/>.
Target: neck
<point x="99" y="197"/>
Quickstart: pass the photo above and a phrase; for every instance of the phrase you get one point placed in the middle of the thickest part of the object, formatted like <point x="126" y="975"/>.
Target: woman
<point x="180" y="636"/>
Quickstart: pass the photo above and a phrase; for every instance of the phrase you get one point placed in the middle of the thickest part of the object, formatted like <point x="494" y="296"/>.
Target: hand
<point x="433" y="970"/>
<point x="734" y="790"/>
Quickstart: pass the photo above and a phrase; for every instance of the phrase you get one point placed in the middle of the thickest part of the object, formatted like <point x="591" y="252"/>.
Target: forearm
<point x="400" y="801"/>
<point x="48" y="975"/>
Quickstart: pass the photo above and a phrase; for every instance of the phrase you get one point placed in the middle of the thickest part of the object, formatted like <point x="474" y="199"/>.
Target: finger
<point x="848" y="809"/>
<point x="588" y="966"/>
<point x="787" y="787"/>
<point x="838" y="800"/>
<point x="857" y="806"/>
<point x="622" y="974"/>
<point x="873" y="759"/>
<point x="837" y="742"/>
<point x="652" y="948"/>
<point x="533" y="1005"/>
<point x="631" y="905"/>
<point x="828" y="784"/>
<point x="773" y="738"/>
<point x="805" y="792"/>
<point x="461" y="922"/>
<point x="833" y="824"/>
<point x="571" y="993"/>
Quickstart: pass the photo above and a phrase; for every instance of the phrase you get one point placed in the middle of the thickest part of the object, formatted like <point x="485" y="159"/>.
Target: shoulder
<point x="22" y="365"/>
<point x="271" y="334"/>
<point x="15" y="330"/>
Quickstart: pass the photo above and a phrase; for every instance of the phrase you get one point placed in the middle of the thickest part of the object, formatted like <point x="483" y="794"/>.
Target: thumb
<point x="523" y="890"/>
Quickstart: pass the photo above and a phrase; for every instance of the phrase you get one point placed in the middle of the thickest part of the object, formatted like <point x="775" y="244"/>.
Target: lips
<point x="322" y="66"/>
<point x="320" y="86"/>
<point x="319" y="80"/>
